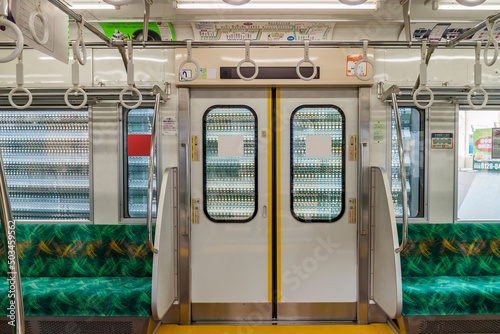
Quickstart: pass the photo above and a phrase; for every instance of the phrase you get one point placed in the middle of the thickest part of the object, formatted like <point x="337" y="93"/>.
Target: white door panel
<point x="318" y="260"/>
<point x="229" y="260"/>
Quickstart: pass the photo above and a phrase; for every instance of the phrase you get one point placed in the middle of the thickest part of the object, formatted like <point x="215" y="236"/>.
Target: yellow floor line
<point x="256" y="329"/>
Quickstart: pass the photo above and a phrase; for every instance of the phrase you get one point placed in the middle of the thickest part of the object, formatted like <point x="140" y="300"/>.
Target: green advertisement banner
<point x="162" y="31"/>
<point x="482" y="146"/>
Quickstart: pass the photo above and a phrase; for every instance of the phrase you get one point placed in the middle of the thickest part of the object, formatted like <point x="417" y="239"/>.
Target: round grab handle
<point x="315" y="70"/>
<point x="470" y="3"/>
<point x="357" y="67"/>
<point x="11" y="95"/>
<point x="197" y="70"/>
<point x="81" y="57"/>
<point x="242" y="77"/>
<point x="472" y="93"/>
<point x="19" y="43"/>
<point x="134" y="90"/>
<point x="76" y="90"/>
<point x="417" y="92"/>
<point x="117" y="3"/>
<point x="236" y="2"/>
<point x="32" y="29"/>
<point x="352" y="2"/>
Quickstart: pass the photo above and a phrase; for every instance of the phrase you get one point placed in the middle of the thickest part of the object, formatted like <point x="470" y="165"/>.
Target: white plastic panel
<point x="163" y="287"/>
<point x="229" y="261"/>
<point x="387" y="283"/>
<point x="318" y="260"/>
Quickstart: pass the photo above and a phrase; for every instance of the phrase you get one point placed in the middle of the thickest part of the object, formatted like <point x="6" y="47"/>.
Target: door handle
<point x="264" y="211"/>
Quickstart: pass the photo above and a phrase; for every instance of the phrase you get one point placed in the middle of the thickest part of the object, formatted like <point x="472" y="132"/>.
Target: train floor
<point x="249" y="329"/>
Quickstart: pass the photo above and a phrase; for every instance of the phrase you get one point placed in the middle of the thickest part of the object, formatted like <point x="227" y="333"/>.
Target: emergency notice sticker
<point x="195" y="214"/>
<point x="352" y="60"/>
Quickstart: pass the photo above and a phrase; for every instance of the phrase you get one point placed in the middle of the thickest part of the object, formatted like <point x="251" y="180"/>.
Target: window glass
<point x="317" y="166"/>
<point x="230" y="161"/>
<point x="412" y="128"/>
<point x="478" y="165"/>
<point x="139" y="127"/>
<point x="46" y="161"/>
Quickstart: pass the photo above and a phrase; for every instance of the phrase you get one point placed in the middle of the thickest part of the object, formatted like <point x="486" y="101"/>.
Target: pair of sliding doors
<point x="273" y="187"/>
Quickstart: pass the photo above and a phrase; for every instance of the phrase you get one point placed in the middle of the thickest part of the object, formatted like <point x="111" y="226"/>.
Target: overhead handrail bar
<point x="43" y="19"/>
<point x="491" y="41"/>
<point x="75" y="77"/>
<point x="152" y="150"/>
<point x="20" y="85"/>
<point x="189" y="60"/>
<point x="78" y="18"/>
<point x="14" y="272"/>
<point x="130" y="81"/>
<point x="306" y="59"/>
<point x="477" y="82"/>
<point x="473" y="30"/>
<point x="247" y="60"/>
<point x="82" y="58"/>
<point x="402" y="168"/>
<point x="423" y="81"/>
<point x="366" y="61"/>
<point x="19" y="35"/>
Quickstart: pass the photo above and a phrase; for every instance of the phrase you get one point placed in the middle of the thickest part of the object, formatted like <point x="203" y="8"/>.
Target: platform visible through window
<point x="412" y="128"/>
<point x="317" y="163"/>
<point x="230" y="163"/>
<point x="478" y="176"/>
<point x="46" y="161"/>
<point x="138" y="145"/>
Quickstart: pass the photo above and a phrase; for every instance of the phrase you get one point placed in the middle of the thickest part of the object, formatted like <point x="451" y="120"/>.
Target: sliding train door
<point x="229" y="230"/>
<point x="317" y="187"/>
<point x="273" y="187"/>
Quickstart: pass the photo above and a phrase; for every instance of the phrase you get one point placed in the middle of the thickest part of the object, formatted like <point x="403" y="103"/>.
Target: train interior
<point x="249" y="166"/>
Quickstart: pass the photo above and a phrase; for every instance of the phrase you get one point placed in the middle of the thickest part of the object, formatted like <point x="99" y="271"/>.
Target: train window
<point x="46" y="161"/>
<point x="478" y="163"/>
<point x="138" y="141"/>
<point x="412" y="127"/>
<point x="317" y="163"/>
<point x="230" y="161"/>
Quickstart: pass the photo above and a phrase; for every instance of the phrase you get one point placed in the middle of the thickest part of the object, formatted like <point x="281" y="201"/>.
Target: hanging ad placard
<point x="495" y="149"/>
<point x="262" y="31"/>
<point x="482" y="151"/>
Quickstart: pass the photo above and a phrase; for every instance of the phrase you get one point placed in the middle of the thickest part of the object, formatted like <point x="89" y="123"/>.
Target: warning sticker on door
<point x="352" y="210"/>
<point x="195" y="214"/>
<point x="195" y="149"/>
<point x="352" y="60"/>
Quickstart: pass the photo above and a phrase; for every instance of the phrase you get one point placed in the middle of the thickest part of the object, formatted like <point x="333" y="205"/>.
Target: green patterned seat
<point x="82" y="270"/>
<point x="451" y="269"/>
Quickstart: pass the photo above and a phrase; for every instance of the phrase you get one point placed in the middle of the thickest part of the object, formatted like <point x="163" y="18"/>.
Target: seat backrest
<point x="81" y="250"/>
<point x="451" y="250"/>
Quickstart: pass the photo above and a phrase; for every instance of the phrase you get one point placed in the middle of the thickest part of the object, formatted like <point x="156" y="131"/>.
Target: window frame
<point x="422" y="217"/>
<point x="89" y="111"/>
<point x="124" y="210"/>
<point x="256" y="173"/>
<point x="343" y="159"/>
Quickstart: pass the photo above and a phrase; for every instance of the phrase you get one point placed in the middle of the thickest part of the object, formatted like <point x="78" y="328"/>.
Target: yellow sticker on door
<point x="195" y="213"/>
<point x="352" y="60"/>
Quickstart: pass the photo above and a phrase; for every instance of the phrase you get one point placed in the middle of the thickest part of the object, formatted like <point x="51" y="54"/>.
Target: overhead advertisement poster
<point x="482" y="149"/>
<point x="162" y="31"/>
<point x="263" y="31"/>
<point x="442" y="32"/>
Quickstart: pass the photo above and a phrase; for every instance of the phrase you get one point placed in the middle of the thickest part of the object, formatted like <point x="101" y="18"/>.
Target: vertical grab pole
<point x="402" y="171"/>
<point x="151" y="172"/>
<point x="13" y="271"/>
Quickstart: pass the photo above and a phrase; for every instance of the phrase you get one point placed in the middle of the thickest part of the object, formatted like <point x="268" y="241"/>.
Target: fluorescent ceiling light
<point x="460" y="7"/>
<point x="275" y="6"/>
<point x="89" y="6"/>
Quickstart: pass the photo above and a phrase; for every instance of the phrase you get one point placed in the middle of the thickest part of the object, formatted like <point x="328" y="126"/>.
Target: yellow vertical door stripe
<point x="269" y="197"/>
<point x="278" y="185"/>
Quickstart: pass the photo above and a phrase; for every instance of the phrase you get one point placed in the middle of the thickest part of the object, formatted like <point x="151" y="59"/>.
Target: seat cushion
<point x="451" y="295"/>
<point x="83" y="296"/>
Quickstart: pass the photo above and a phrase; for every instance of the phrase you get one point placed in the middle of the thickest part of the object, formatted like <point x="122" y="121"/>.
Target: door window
<point x="317" y="164"/>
